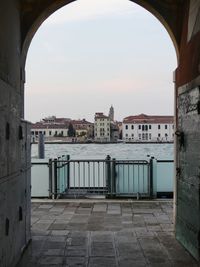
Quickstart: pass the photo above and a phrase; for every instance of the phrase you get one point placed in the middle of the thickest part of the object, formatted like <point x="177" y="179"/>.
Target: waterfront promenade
<point x="104" y="233"/>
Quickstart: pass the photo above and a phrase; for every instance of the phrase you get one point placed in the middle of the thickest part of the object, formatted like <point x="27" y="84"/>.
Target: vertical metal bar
<point x="138" y="194"/>
<point x="84" y="175"/>
<point x="89" y="175"/>
<point x="151" y="177"/>
<point x="118" y="184"/>
<point x="50" y="178"/>
<point x="93" y="177"/>
<point x="133" y="167"/>
<point x="128" y="179"/>
<point x="55" y="178"/>
<point x="123" y="178"/>
<point x="74" y="174"/>
<point x="143" y="177"/>
<point x="68" y="171"/>
<point x="78" y="177"/>
<point x="98" y="178"/>
<point x="108" y="174"/>
<point x="103" y="175"/>
<point x="59" y="173"/>
<point x="113" y="177"/>
<point x="64" y="174"/>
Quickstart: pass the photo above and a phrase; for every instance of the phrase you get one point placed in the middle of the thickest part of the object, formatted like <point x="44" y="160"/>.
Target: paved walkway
<point x="104" y="234"/>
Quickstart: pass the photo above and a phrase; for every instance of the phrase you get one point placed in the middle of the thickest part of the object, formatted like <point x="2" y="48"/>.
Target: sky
<point x="92" y="54"/>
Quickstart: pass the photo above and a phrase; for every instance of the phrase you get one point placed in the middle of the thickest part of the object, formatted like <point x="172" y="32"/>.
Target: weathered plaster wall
<point x="14" y="141"/>
<point x="188" y="124"/>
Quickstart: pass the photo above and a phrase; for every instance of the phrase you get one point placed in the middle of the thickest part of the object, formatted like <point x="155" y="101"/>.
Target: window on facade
<point x="143" y="127"/>
<point x="139" y="136"/>
<point x="146" y="127"/>
<point x="165" y="127"/>
<point x="132" y="135"/>
<point x="158" y="135"/>
<point x="139" y="127"/>
<point x="149" y="136"/>
<point x="49" y="132"/>
<point x="62" y="132"/>
<point x="126" y="135"/>
<point x="143" y="136"/>
<point x="108" y="134"/>
<point x="44" y="132"/>
<point x="36" y="132"/>
<point x="173" y="126"/>
<point x="32" y="132"/>
<point x="149" y="127"/>
<point x="132" y="127"/>
<point x="166" y="135"/>
<point x="159" y="126"/>
<point x="146" y="136"/>
<point x="126" y="127"/>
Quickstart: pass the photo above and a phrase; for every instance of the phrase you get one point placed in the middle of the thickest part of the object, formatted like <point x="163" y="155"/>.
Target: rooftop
<point x="143" y="118"/>
<point x="41" y="125"/>
<point x="104" y="233"/>
<point x="100" y="115"/>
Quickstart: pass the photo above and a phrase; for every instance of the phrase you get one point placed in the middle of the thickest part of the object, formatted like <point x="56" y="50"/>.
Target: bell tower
<point x="111" y="113"/>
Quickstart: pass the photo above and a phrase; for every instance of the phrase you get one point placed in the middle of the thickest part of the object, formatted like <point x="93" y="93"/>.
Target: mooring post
<point x="41" y="154"/>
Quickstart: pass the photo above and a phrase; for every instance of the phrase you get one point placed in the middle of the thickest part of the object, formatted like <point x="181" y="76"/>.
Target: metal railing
<point x="109" y="177"/>
<point x="68" y="178"/>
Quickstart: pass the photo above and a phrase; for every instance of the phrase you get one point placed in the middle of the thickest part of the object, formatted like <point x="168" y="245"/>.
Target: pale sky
<point x="94" y="53"/>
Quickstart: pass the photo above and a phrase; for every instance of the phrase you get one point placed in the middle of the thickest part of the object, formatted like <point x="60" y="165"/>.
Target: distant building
<point x="144" y="128"/>
<point x="49" y="130"/>
<point x="59" y="127"/>
<point x="50" y="127"/>
<point x="83" y="128"/>
<point x="101" y="128"/>
<point x="120" y="127"/>
<point x="114" y="132"/>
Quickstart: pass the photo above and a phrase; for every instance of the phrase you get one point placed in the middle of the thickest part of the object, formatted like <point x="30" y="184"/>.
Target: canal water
<point x="100" y="151"/>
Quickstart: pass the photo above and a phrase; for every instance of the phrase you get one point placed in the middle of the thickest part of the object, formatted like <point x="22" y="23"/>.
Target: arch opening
<point x="132" y="97"/>
<point x="129" y="45"/>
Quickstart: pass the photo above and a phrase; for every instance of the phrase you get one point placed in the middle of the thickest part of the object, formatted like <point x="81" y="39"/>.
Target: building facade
<point x="83" y="128"/>
<point x="49" y="130"/>
<point x="144" y="128"/>
<point x="101" y="128"/>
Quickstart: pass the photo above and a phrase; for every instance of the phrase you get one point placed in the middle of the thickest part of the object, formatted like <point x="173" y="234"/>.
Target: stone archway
<point x="173" y="15"/>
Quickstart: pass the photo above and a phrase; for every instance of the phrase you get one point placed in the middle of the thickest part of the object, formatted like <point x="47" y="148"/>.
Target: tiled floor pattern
<point x="104" y="234"/>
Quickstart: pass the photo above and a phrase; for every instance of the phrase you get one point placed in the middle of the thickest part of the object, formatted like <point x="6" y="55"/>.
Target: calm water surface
<point x="99" y="151"/>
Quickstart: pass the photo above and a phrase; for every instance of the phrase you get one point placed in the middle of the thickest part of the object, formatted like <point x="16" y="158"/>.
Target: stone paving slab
<point x="104" y="234"/>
